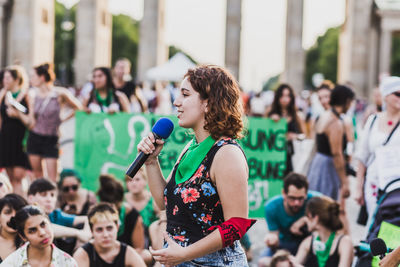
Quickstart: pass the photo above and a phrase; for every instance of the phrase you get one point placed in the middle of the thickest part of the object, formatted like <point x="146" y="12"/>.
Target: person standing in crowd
<point x="284" y="106"/>
<point x="5" y="186"/>
<point x="198" y="194"/>
<point x="9" y="238"/>
<point x="13" y="124"/>
<point x="327" y="173"/>
<point x="42" y="144"/>
<point x="381" y="130"/>
<point x="326" y="247"/>
<point x="34" y="227"/>
<point x="105" y="249"/>
<point x="123" y="82"/>
<point x="73" y="198"/>
<point x="104" y="97"/>
<point x="285" y="216"/>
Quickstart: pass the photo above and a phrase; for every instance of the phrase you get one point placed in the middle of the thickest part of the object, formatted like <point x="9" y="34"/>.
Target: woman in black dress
<point x="13" y="124"/>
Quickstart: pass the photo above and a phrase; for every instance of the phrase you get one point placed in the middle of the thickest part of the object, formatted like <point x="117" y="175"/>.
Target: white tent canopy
<point x="172" y="70"/>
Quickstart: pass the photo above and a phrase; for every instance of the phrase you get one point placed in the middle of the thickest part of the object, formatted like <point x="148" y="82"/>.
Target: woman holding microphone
<point x="204" y="222"/>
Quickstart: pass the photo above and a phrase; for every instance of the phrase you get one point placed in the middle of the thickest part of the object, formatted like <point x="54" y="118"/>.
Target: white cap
<point x="389" y="85"/>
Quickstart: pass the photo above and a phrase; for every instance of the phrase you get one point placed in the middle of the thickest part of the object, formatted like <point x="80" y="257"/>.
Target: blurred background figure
<point x="5" y="186"/>
<point x="123" y="82"/>
<point x="104" y="97"/>
<point x="74" y="199"/>
<point x="10" y="240"/>
<point x="284" y="106"/>
<point x="13" y="125"/>
<point x="42" y="144"/>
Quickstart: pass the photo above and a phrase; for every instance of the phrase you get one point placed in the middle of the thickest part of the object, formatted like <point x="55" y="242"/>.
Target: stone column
<point x="93" y="38"/>
<point x="232" y="36"/>
<point x="152" y="48"/>
<point x="294" y="53"/>
<point x="31" y="34"/>
<point x="354" y="46"/>
<point x="385" y="51"/>
<point x="3" y="37"/>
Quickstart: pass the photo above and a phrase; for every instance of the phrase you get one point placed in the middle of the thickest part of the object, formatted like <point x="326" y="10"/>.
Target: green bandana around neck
<point x="105" y="102"/>
<point x="192" y="159"/>
<point x="14" y="95"/>
<point x="322" y="256"/>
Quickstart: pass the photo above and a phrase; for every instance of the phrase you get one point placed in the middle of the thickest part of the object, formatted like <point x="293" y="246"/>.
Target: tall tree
<point x="64" y="43"/>
<point x="322" y="57"/>
<point x="125" y="39"/>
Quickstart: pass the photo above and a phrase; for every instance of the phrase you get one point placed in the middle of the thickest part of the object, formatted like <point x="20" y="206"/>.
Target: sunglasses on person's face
<point x="397" y="94"/>
<point x="72" y="187"/>
<point x="1" y="184"/>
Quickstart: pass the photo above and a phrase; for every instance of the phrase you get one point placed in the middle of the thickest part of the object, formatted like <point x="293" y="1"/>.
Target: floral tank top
<point x="192" y="207"/>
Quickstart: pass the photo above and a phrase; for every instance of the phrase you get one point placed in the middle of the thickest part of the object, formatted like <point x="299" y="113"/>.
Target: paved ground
<point x="256" y="233"/>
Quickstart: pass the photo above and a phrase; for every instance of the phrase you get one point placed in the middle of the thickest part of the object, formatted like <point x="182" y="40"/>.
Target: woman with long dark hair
<point x="104" y="97"/>
<point x="34" y="227"/>
<point x="9" y="238"/>
<point x="284" y="106"/>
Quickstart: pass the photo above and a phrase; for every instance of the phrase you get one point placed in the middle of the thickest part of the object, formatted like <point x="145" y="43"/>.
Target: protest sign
<point x="106" y="143"/>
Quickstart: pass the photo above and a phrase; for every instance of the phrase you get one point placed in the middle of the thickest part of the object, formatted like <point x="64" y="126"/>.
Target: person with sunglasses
<point x="285" y="216"/>
<point x="73" y="198"/>
<point x="380" y="132"/>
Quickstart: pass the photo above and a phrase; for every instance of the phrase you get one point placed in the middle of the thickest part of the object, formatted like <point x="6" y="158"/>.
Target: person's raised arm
<point x="335" y="133"/>
<point x="69" y="98"/>
<point x="63" y="231"/>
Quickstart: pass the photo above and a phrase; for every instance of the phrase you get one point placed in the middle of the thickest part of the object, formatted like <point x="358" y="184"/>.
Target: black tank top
<point x="322" y="141"/>
<point x="193" y="206"/>
<point x="333" y="260"/>
<point x="96" y="261"/>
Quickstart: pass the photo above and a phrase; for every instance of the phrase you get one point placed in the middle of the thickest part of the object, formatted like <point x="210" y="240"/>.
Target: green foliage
<point x="172" y="50"/>
<point x="271" y="84"/>
<point x="64" y="44"/>
<point x="125" y="39"/>
<point x="395" y="62"/>
<point x="322" y="57"/>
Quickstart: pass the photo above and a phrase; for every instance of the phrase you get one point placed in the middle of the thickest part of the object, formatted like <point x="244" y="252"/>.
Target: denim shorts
<point x="233" y="256"/>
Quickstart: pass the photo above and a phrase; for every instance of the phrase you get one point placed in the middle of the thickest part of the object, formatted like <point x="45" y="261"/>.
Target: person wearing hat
<point x="380" y="132"/>
<point x="73" y="198"/>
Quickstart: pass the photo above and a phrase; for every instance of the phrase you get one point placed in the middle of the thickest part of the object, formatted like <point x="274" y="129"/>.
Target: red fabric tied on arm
<point x="233" y="229"/>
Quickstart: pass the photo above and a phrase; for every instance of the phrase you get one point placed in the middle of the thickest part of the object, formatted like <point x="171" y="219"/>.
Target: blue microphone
<point x="161" y="130"/>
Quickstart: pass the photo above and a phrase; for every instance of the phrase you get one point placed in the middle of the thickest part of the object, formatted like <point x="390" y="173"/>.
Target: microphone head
<point x="378" y="247"/>
<point x="163" y="128"/>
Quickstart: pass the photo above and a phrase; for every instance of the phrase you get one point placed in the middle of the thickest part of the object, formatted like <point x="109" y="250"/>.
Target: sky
<point x="198" y="28"/>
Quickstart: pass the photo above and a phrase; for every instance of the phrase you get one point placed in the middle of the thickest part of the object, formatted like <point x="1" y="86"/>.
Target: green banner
<point x="106" y="143"/>
<point x="389" y="233"/>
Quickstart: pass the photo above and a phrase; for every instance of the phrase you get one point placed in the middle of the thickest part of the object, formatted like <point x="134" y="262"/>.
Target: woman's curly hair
<point x="224" y="108"/>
